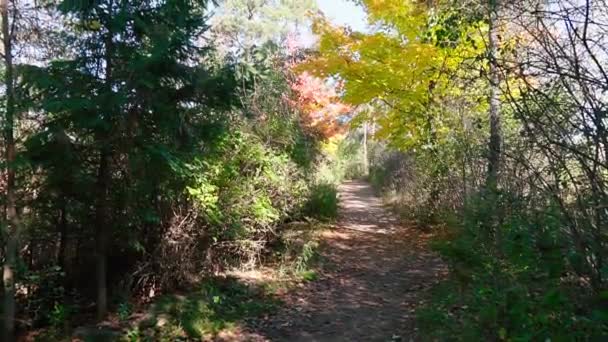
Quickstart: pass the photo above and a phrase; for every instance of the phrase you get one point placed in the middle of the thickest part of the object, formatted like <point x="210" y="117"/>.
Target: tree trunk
<point x="365" y="155"/>
<point x="12" y="238"/>
<point x="494" y="113"/>
<point x="101" y="230"/>
<point x="63" y="235"/>
<point x="103" y="184"/>
<point x="8" y="277"/>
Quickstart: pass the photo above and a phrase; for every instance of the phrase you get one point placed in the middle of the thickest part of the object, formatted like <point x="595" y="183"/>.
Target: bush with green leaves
<point x="323" y="202"/>
<point x="514" y="282"/>
<point x="246" y="188"/>
<point x="240" y="192"/>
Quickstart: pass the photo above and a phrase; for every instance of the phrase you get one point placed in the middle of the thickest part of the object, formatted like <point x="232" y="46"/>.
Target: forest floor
<point x="374" y="272"/>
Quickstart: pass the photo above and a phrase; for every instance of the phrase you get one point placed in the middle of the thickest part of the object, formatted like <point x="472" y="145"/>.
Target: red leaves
<point x="319" y="105"/>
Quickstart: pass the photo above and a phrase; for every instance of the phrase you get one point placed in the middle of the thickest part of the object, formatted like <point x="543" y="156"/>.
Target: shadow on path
<point x="375" y="272"/>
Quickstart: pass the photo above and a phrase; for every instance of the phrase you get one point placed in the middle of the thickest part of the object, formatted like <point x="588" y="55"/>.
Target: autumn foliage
<point x="321" y="110"/>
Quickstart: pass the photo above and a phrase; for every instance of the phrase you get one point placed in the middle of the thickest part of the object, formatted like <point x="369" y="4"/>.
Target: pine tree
<point x="139" y="81"/>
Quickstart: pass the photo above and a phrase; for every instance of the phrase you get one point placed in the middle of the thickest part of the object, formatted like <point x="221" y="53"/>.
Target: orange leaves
<point x="318" y="103"/>
<point x="398" y="67"/>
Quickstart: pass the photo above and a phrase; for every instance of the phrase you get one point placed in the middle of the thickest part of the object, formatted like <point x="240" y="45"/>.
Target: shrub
<point x="511" y="284"/>
<point x="240" y="191"/>
<point x="323" y="202"/>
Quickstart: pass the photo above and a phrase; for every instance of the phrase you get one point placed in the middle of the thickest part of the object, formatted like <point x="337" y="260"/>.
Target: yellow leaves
<point x="373" y="64"/>
<point x="407" y="66"/>
<point x="331" y="145"/>
<point x="408" y="17"/>
<point x="331" y="37"/>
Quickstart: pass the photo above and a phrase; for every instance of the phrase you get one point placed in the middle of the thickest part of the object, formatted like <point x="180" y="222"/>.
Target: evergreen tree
<point x="140" y="82"/>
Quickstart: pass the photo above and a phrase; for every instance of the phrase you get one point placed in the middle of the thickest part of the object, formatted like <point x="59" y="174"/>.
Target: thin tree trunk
<point x="8" y="277"/>
<point x="437" y="171"/>
<point x="465" y="147"/>
<point x="103" y="184"/>
<point x="12" y="239"/>
<point x="495" y="148"/>
<point x="101" y="232"/>
<point x="63" y="235"/>
<point x="365" y="156"/>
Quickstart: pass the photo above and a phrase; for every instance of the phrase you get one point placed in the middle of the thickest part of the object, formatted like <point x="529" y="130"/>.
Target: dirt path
<point x="375" y="272"/>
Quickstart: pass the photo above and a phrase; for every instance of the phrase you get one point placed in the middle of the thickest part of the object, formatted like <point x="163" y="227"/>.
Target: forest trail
<point x="374" y="273"/>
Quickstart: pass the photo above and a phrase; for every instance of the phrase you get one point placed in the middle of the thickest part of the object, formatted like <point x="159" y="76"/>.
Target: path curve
<point x="375" y="272"/>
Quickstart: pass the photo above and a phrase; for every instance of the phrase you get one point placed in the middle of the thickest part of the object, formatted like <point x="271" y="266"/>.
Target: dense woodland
<point x="150" y="145"/>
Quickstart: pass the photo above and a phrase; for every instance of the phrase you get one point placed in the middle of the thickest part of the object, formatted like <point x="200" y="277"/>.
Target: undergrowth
<point x="323" y="202"/>
<point x="518" y="284"/>
<point x="515" y="273"/>
<point x="298" y="256"/>
<point x="216" y="306"/>
<point x="221" y="304"/>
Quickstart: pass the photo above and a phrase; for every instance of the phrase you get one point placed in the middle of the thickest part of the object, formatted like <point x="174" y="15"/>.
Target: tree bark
<point x="103" y="184"/>
<point x="101" y="232"/>
<point x="365" y="155"/>
<point x="495" y="143"/>
<point x="12" y="218"/>
<point x="63" y="235"/>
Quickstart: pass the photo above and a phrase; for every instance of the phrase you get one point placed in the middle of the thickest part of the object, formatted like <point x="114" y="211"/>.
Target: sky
<point x="339" y="12"/>
<point x="344" y="12"/>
